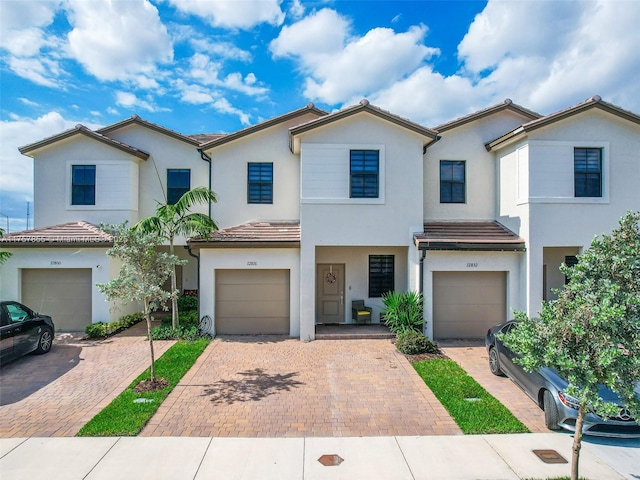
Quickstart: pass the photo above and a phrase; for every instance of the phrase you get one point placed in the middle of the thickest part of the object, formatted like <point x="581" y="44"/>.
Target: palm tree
<point x="175" y="219"/>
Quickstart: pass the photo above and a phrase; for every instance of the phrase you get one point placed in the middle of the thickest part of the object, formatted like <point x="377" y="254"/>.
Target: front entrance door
<point x="330" y="293"/>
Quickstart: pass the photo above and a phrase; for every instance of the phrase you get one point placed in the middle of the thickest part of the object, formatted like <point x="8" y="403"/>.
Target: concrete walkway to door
<point x="272" y="386"/>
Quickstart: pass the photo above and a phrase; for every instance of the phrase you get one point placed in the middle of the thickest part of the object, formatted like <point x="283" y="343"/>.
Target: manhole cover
<point x="472" y="399"/>
<point x="331" y="460"/>
<point x="549" y="456"/>
<point x="143" y="400"/>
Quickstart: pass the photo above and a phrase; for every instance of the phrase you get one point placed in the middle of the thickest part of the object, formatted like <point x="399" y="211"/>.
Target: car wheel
<point x="550" y="411"/>
<point x="494" y="362"/>
<point x="45" y="341"/>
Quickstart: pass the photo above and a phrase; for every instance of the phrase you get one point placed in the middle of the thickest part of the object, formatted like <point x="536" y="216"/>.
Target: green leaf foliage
<point x="403" y="311"/>
<point x="591" y="333"/>
<point x="411" y="342"/>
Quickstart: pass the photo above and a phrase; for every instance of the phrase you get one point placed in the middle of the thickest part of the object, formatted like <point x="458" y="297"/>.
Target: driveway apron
<point x="54" y="395"/>
<point x="270" y="386"/>
<point x="472" y="356"/>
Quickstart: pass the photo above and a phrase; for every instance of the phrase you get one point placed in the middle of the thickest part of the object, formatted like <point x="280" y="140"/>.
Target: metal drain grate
<point x="549" y="456"/>
<point x="331" y="460"/>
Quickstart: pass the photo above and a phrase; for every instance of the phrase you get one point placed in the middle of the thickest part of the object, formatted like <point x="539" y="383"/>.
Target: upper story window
<point x="83" y="184"/>
<point x="452" y="181"/>
<point x="178" y="183"/>
<point x="364" y="173"/>
<point x="381" y="275"/>
<point x="260" y="183"/>
<point x="587" y="172"/>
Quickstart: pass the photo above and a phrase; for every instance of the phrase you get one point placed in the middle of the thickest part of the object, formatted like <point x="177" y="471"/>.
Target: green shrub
<point x="411" y="342"/>
<point x="403" y="311"/>
<point x="187" y="303"/>
<point x="167" y="332"/>
<point x="189" y="319"/>
<point x="105" y="329"/>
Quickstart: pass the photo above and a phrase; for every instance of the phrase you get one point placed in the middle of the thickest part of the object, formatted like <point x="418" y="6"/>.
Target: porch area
<point x="344" y="331"/>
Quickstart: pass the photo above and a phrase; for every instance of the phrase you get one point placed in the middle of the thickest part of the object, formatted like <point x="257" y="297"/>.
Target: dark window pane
<point x="83" y="185"/>
<point x="452" y="181"/>
<point x="381" y="275"/>
<point x="587" y="165"/>
<point x="260" y="183"/>
<point x="178" y="183"/>
<point x="364" y="173"/>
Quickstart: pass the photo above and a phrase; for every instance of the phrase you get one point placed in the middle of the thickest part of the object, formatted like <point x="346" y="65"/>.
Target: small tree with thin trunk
<point x="171" y="220"/>
<point x="591" y="333"/>
<point x="144" y="270"/>
<point x="4" y="256"/>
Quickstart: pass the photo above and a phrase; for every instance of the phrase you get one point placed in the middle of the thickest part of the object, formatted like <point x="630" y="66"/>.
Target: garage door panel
<point x="252" y="302"/>
<point x="466" y="304"/>
<point x="243" y="293"/>
<point x="64" y="294"/>
<point x="271" y="308"/>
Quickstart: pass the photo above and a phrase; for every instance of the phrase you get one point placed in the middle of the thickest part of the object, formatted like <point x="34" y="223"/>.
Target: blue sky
<point x="207" y="66"/>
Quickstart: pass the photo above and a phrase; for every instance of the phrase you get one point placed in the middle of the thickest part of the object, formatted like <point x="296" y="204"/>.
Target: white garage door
<point x="466" y="304"/>
<point x="62" y="293"/>
<point x="252" y="302"/>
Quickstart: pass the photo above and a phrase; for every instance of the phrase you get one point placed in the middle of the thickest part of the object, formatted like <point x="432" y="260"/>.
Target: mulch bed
<point x="150" y="386"/>
<point x="424" y="356"/>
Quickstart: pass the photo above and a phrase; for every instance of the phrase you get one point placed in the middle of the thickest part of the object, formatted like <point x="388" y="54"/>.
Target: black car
<point x="548" y="390"/>
<point x="23" y="331"/>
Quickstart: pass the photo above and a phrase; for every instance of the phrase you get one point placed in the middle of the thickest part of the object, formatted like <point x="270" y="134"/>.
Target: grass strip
<point x="123" y="417"/>
<point x="471" y="406"/>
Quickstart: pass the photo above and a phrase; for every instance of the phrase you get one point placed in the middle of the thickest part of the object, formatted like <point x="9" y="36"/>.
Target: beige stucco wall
<point x="116" y="183"/>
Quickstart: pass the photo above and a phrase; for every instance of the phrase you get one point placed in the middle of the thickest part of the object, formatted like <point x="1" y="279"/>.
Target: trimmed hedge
<point x="106" y="329"/>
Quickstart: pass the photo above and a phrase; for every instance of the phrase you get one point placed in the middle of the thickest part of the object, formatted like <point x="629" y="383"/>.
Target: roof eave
<point x="470" y="246"/>
<point x="242" y="244"/>
<point x="506" y="105"/>
<point x="309" y="108"/>
<point x="135" y="119"/>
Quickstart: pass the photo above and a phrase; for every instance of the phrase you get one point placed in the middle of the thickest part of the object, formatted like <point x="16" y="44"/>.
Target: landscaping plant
<point x="171" y="220"/>
<point x="403" y="311"/>
<point x="591" y="333"/>
<point x="144" y="270"/>
<point x="411" y="342"/>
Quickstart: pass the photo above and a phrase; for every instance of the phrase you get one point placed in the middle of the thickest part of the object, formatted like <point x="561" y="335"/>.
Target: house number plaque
<point x="252" y="263"/>
<point x="472" y="265"/>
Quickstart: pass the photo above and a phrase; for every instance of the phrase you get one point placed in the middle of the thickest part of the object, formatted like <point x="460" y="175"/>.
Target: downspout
<point x="207" y="159"/>
<point x="423" y="254"/>
<point x="197" y="257"/>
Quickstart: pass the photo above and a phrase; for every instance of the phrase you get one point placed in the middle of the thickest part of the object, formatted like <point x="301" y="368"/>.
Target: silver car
<point x="547" y="389"/>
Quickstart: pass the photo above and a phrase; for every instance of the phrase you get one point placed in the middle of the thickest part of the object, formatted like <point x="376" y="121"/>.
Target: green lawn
<point x="123" y="416"/>
<point x="471" y="406"/>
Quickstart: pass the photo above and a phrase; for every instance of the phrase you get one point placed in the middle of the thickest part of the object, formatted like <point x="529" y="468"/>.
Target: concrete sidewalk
<point x="432" y="457"/>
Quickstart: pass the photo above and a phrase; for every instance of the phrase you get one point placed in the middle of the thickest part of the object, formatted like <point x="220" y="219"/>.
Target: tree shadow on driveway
<point x="255" y="385"/>
<point x="26" y="375"/>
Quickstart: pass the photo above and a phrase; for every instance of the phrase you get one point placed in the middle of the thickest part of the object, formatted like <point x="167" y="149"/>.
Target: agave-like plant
<point x="403" y="311"/>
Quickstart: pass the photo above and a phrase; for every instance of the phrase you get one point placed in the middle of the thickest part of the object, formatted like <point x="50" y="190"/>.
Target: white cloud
<point x="296" y="9"/>
<point x="194" y="94"/>
<point x="233" y="14"/>
<point x="22" y="25"/>
<point x="205" y="71"/>
<point x="222" y="105"/>
<point x="220" y="49"/>
<point x="117" y="40"/>
<point x="16" y="170"/>
<point x="130" y="101"/>
<point x="28" y="102"/>
<point x="340" y="67"/>
<point x="549" y="58"/>
<point x="43" y="71"/>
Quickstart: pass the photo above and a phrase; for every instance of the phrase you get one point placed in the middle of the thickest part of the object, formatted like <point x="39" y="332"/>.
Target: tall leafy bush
<point x="403" y="311"/>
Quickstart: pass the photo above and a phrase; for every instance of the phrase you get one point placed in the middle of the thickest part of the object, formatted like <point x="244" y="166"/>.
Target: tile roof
<point x="206" y="137"/>
<point x="67" y="234"/>
<point x="309" y="108"/>
<point x="81" y="129"/>
<point x="153" y="126"/>
<point x="264" y="234"/>
<point x="489" y="235"/>
<point x="363" y="106"/>
<point x="589" y="103"/>
<point x="507" y="104"/>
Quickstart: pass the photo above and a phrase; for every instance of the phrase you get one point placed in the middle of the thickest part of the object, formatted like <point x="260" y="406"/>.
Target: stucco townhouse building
<point x="317" y="210"/>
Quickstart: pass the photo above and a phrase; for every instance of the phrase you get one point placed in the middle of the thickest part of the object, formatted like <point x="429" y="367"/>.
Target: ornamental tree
<point x="4" y="256"/>
<point x="591" y="333"/>
<point x="171" y="220"/>
<point x="144" y="270"/>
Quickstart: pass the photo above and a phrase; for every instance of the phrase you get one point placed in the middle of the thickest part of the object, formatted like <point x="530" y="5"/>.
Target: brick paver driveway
<point x="57" y="393"/>
<point x="273" y="386"/>
<point x="472" y="356"/>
